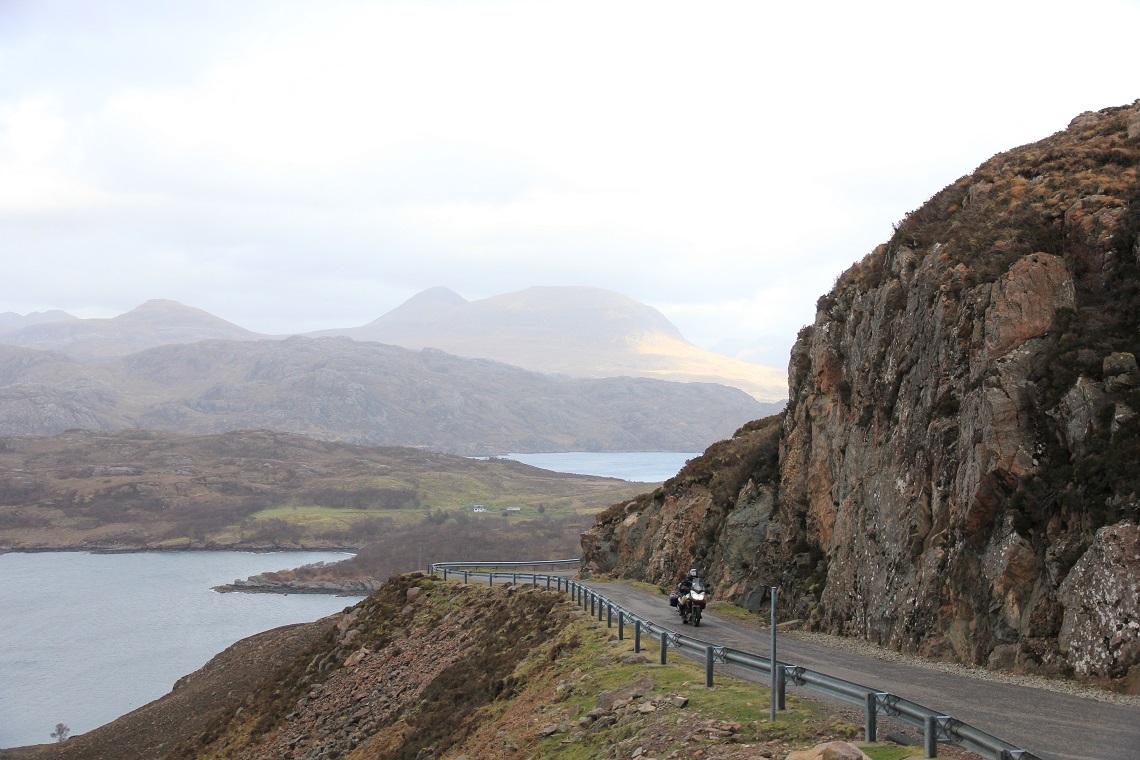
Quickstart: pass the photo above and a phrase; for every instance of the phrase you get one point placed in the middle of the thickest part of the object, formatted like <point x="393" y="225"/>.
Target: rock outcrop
<point x="961" y="424"/>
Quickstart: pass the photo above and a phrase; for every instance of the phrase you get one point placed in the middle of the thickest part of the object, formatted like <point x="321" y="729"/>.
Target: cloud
<point x="293" y="166"/>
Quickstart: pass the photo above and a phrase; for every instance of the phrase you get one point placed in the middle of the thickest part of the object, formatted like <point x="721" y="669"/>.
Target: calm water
<point x="85" y="638"/>
<point x="637" y="466"/>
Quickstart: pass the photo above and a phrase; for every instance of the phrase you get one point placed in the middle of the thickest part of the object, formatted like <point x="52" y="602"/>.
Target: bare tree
<point x="61" y="731"/>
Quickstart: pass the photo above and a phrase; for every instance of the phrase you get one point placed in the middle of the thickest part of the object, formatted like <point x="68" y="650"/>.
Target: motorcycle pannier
<point x="672" y="600"/>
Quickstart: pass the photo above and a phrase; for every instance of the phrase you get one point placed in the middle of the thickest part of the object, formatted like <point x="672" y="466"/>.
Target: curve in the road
<point x="1054" y="725"/>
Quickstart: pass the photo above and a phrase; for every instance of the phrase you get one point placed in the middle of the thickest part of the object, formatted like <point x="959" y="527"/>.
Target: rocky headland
<point x="265" y="583"/>
<point x="954" y="474"/>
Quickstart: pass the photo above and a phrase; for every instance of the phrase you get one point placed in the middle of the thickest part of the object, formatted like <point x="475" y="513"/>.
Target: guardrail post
<point x="491" y="578"/>
<point x="637" y="636"/>
<point x="444" y="574"/>
<point x="930" y="737"/>
<point x="548" y="583"/>
<point x="664" y="645"/>
<point x="781" y="684"/>
<point x="465" y="576"/>
<point x="609" y="615"/>
<point x="593" y="600"/>
<point x="708" y="667"/>
<point x="514" y="579"/>
<point x="621" y="625"/>
<point x="871" y="721"/>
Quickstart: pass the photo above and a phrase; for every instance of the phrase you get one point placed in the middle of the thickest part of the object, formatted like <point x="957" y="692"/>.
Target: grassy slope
<point x="258" y="489"/>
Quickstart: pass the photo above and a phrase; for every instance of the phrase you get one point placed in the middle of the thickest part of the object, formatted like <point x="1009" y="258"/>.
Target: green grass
<point x="891" y="752"/>
<point x="728" y="700"/>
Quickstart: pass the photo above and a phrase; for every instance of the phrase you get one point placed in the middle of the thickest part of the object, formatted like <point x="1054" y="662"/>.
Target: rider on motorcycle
<point x="688" y="610"/>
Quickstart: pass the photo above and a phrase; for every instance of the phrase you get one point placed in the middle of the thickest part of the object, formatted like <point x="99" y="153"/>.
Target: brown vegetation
<point x="261" y="490"/>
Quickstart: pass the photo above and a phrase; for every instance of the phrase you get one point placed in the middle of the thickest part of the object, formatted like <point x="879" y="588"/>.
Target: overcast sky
<point x="293" y="166"/>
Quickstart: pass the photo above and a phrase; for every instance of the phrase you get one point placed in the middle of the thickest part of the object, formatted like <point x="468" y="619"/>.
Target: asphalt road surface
<point x="1052" y="725"/>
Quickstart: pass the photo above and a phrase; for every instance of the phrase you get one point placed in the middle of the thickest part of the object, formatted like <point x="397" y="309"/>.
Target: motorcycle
<point x="692" y="604"/>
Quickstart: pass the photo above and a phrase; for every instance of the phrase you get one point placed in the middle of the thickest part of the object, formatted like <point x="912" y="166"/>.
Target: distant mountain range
<point x="575" y="331"/>
<point x="367" y="393"/>
<point x="155" y="323"/>
<point x="169" y="367"/>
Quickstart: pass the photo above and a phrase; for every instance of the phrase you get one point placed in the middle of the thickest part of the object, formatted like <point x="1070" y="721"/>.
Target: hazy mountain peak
<point x="427" y="306"/>
<point x="573" y="330"/>
<point x="154" y="323"/>
<point x="10" y="320"/>
<point x="166" y="310"/>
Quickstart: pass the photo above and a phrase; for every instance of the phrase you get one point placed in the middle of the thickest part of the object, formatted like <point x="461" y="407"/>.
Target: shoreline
<point x="124" y="549"/>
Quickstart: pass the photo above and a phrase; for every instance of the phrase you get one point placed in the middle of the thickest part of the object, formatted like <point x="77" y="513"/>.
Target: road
<point x="1053" y="725"/>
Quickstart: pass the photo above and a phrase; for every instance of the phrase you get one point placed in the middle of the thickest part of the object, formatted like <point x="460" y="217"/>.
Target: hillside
<point x="423" y="669"/>
<point x="955" y="472"/>
<point x="576" y="331"/>
<point x="366" y="393"/>
<point x="260" y="490"/>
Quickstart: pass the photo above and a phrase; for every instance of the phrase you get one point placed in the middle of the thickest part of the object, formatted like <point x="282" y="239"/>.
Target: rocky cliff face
<point x="955" y="471"/>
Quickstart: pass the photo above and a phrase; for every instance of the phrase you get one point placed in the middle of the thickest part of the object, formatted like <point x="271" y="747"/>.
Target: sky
<point x="296" y="166"/>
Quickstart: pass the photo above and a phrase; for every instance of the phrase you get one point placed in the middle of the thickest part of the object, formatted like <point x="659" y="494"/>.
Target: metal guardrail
<point x="935" y="726"/>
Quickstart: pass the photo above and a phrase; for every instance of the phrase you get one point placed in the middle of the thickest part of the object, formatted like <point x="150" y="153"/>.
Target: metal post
<point x="534" y="581"/>
<point x="636" y="635"/>
<point x="621" y="625"/>
<point x="708" y="667"/>
<point x="491" y="578"/>
<point x="548" y="583"/>
<point x="445" y="575"/>
<point x="871" y="732"/>
<point x="465" y="576"/>
<point x="664" y="645"/>
<point x="609" y="615"/>
<point x="930" y="738"/>
<point x="514" y="579"/>
<point x="772" y="663"/>
<point x="593" y="598"/>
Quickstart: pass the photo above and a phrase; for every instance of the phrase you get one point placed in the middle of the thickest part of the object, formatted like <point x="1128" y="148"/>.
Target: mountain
<point x="576" y="331"/>
<point x="10" y="321"/>
<point x="366" y="393"/>
<point x="155" y="323"/>
<point x="955" y="473"/>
